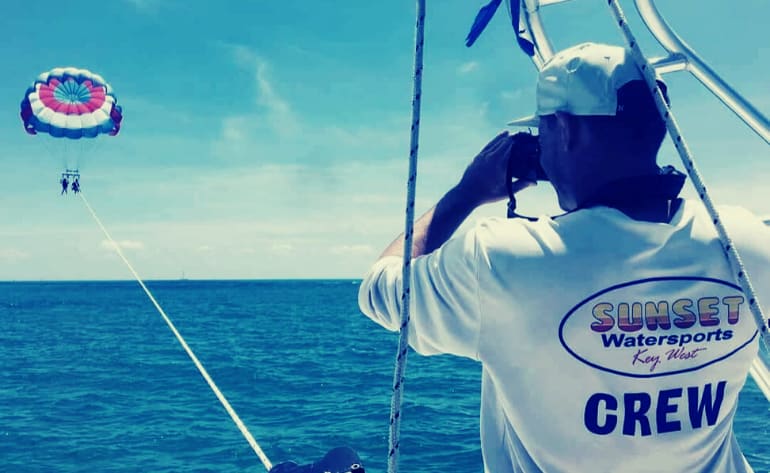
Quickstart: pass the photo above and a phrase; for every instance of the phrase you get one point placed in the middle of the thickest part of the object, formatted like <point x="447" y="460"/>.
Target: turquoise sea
<point x="93" y="380"/>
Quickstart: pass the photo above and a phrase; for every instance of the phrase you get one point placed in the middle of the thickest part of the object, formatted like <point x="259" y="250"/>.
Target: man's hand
<point x="484" y="179"/>
<point x="482" y="182"/>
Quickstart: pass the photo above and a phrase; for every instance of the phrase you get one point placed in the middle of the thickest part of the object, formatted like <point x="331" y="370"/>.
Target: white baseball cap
<point x="585" y="80"/>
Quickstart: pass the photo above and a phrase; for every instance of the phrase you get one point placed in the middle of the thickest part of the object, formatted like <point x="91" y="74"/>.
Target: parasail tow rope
<point x="238" y="422"/>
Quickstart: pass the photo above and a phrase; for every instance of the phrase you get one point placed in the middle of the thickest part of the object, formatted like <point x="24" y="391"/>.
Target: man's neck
<point x="650" y="197"/>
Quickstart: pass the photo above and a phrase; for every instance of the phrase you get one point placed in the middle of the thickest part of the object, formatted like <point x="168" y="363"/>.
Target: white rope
<point x="731" y="253"/>
<point x="204" y="373"/>
<point x="759" y="371"/>
<point x="398" y="375"/>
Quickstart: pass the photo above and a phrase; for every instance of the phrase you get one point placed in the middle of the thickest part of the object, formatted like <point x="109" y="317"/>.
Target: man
<point x="613" y="337"/>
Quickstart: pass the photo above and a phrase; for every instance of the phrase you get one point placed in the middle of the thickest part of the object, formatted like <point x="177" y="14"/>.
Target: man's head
<point x="597" y="120"/>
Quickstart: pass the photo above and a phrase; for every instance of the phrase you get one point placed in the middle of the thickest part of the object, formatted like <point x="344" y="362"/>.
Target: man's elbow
<point x="378" y="301"/>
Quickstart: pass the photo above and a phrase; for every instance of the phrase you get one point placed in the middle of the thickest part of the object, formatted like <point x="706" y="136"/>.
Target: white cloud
<point x="235" y="128"/>
<point x="269" y="98"/>
<point x="512" y="94"/>
<point x="351" y="250"/>
<point x="12" y="254"/>
<point x="282" y="248"/>
<point x="123" y="244"/>
<point x="468" y="67"/>
<point x="277" y="110"/>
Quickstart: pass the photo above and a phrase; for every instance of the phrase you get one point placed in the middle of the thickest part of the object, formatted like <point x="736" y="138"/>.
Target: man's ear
<point x="567" y="130"/>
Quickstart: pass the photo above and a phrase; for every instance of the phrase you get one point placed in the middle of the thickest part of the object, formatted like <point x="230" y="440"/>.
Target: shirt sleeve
<point x="444" y="298"/>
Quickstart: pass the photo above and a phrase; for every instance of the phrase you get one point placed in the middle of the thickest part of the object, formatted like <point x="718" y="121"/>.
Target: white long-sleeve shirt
<point x="607" y="344"/>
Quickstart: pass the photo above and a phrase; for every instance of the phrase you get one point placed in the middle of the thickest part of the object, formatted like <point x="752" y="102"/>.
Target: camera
<point x="524" y="160"/>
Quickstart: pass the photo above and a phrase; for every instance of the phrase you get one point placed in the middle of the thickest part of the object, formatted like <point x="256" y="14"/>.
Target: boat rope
<point x="403" y="339"/>
<point x="238" y="422"/>
<point x="731" y="253"/>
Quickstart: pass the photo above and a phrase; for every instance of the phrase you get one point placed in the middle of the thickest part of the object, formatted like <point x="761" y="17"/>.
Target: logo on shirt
<point x="658" y="326"/>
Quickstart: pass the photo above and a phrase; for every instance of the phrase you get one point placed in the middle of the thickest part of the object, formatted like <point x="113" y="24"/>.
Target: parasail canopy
<point x="67" y="102"/>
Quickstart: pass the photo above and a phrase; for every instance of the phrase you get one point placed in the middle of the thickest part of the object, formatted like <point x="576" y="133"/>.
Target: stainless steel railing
<point x="681" y="57"/>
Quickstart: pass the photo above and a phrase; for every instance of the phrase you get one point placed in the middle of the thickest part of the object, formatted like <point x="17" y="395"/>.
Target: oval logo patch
<point x="658" y="326"/>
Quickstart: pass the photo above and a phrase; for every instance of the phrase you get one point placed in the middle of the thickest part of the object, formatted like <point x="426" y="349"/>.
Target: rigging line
<point x="730" y="251"/>
<point x="201" y="369"/>
<point x="398" y="374"/>
<point x="761" y="375"/>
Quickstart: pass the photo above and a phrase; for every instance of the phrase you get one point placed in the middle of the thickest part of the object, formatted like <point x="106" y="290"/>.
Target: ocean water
<point x="92" y="379"/>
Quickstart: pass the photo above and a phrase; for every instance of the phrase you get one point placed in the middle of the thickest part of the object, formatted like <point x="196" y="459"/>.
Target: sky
<point x="270" y="139"/>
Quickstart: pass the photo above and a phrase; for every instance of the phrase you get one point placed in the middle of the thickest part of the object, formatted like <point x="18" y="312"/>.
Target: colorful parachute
<point x="67" y="102"/>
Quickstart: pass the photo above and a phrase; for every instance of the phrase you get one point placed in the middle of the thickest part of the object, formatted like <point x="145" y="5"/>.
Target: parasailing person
<point x="67" y="103"/>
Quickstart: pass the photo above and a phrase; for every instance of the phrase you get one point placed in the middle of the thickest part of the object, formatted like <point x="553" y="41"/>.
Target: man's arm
<point x="445" y="317"/>
<point x="482" y="182"/>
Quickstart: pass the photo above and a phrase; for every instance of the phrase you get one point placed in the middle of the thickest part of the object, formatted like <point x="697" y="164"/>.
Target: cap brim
<point x="532" y="120"/>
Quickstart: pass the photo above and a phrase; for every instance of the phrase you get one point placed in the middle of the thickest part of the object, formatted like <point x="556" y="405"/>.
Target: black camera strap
<point x="512" y="207"/>
<point x="523" y="163"/>
<point x="651" y="198"/>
